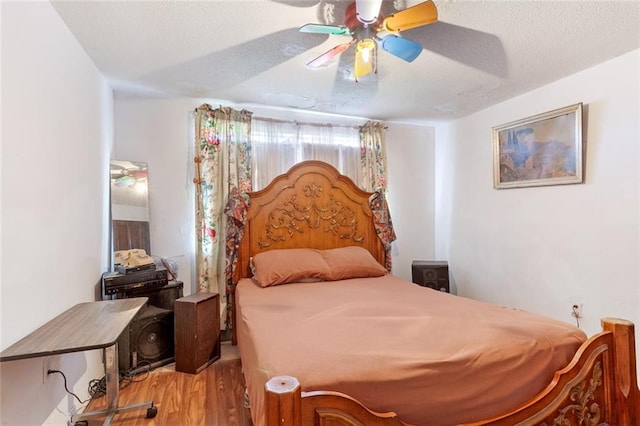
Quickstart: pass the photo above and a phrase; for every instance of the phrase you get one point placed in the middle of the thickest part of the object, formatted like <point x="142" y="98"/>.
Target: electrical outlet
<point x="48" y="363"/>
<point x="576" y="311"/>
<point x="45" y="369"/>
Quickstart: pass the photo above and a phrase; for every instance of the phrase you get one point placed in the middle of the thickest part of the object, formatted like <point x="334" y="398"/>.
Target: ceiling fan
<point x="368" y="29"/>
<point x="127" y="173"/>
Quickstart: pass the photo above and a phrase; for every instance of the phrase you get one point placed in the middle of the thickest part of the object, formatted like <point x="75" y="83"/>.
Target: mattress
<point x="432" y="357"/>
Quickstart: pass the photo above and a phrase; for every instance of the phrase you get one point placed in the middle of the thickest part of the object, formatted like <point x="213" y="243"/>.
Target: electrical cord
<point x="575" y="312"/>
<point x="65" y="385"/>
<point x="98" y="387"/>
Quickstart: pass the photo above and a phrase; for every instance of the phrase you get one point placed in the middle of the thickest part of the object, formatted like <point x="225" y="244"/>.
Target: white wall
<point x="57" y="115"/>
<point x="411" y="171"/>
<point x="543" y="249"/>
<point x="161" y="133"/>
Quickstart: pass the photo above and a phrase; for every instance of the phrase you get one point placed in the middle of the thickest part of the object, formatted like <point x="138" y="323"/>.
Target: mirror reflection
<point x="130" y="205"/>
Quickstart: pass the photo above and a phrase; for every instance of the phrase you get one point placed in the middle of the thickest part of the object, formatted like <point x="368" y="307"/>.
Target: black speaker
<point x="161" y="297"/>
<point x="433" y="274"/>
<point x="148" y="342"/>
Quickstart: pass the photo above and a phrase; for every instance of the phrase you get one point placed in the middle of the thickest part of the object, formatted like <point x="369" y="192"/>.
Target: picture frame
<point x="545" y="149"/>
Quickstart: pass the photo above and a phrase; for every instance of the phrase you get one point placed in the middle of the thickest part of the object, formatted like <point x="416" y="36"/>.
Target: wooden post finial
<point x="283" y="401"/>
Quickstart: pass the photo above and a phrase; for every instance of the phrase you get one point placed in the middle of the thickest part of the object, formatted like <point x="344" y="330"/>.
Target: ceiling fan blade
<point x="462" y="44"/>
<point x="325" y="29"/>
<point x="368" y="11"/>
<point x="330" y="54"/>
<point x="401" y="47"/>
<point x="365" y="62"/>
<point x="412" y="17"/>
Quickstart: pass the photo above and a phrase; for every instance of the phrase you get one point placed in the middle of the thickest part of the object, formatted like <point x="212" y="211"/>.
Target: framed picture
<point x="545" y="149"/>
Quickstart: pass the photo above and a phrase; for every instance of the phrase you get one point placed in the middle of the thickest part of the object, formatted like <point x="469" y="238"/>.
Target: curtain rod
<point x="296" y="122"/>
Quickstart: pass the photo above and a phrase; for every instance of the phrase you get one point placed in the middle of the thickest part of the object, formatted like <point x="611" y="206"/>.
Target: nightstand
<point x="197" y="331"/>
<point x="429" y="273"/>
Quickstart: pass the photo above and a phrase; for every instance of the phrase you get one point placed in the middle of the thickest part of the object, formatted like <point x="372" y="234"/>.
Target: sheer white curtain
<point x="278" y="145"/>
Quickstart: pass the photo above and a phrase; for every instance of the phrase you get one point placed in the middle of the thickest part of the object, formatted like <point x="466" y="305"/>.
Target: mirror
<point x="130" y="205"/>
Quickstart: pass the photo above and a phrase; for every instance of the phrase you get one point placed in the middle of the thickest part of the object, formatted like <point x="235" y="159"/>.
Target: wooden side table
<point x="197" y="331"/>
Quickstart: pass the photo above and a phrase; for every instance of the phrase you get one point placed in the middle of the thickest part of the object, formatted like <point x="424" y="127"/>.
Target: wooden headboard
<point x="310" y="206"/>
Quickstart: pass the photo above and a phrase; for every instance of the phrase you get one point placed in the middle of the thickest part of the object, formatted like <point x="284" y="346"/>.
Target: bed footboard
<point x="287" y="405"/>
<point x="598" y="387"/>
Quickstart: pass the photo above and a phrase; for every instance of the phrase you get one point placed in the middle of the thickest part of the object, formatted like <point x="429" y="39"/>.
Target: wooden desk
<point x="86" y="326"/>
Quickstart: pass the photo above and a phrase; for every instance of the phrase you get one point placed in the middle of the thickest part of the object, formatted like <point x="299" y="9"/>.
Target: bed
<point x="327" y="336"/>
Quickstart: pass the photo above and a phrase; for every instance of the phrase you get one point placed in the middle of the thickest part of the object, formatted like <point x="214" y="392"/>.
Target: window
<point x="278" y="145"/>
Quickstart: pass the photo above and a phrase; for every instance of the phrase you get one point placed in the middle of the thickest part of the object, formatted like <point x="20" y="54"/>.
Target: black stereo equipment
<point x="126" y="270"/>
<point x="116" y="282"/>
<point x="148" y="341"/>
<point x="161" y="297"/>
<point x="433" y="274"/>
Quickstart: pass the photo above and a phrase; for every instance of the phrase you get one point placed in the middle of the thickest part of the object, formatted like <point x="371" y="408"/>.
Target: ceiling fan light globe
<point x="366" y="44"/>
<point x="366" y="47"/>
<point x="368" y="11"/>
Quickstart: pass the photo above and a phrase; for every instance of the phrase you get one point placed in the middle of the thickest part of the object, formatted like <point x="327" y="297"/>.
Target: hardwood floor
<point x="214" y="397"/>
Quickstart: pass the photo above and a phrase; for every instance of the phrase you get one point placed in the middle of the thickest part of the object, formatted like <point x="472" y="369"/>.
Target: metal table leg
<point x="112" y="379"/>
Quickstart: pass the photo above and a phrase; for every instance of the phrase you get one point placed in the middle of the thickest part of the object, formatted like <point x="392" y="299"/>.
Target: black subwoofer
<point x="148" y="341"/>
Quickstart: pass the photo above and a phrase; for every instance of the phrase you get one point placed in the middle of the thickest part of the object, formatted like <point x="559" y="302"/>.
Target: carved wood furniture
<point x="312" y="206"/>
<point x="598" y="387"/>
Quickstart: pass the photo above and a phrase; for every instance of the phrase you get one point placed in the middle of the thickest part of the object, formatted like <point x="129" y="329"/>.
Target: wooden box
<point x="197" y="331"/>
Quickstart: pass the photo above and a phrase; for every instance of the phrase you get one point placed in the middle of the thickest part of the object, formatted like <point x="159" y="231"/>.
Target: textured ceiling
<point x="250" y="52"/>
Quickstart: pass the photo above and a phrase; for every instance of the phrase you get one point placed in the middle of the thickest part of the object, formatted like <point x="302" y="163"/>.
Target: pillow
<point x="352" y="262"/>
<point x="283" y="266"/>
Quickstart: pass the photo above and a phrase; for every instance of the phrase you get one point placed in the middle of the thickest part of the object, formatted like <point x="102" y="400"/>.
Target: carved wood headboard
<point x="310" y="206"/>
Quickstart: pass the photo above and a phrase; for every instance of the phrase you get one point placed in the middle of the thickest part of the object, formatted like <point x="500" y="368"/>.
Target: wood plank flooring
<point x="214" y="397"/>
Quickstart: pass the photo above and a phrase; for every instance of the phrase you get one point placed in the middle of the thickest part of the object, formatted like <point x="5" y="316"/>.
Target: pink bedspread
<point x="433" y="358"/>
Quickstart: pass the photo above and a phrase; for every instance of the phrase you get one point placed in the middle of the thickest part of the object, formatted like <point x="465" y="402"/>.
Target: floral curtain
<point x="222" y="172"/>
<point x="383" y="224"/>
<point x="373" y="159"/>
<point x="373" y="178"/>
